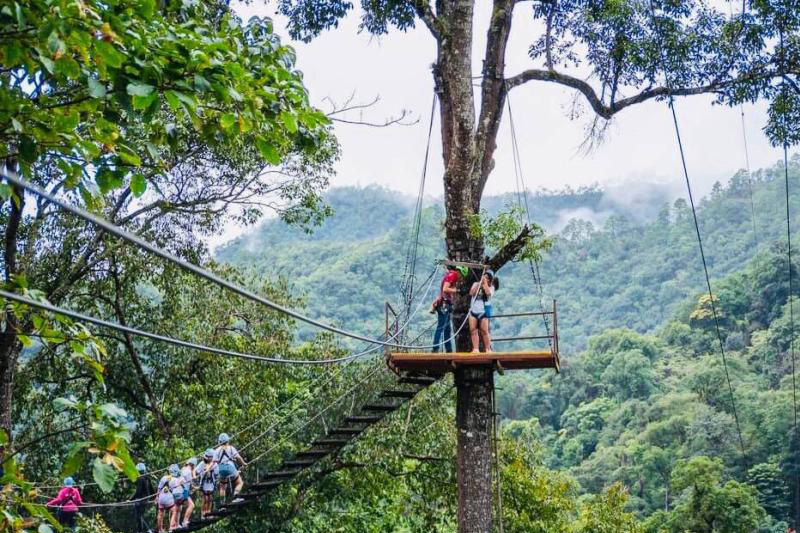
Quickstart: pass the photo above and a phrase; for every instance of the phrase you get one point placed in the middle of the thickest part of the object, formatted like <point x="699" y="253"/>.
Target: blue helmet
<point x="209" y="454"/>
<point x="141" y="468"/>
<point x="223" y="438"/>
<point x="68" y="482"/>
<point x="192" y="461"/>
<point x="174" y="470"/>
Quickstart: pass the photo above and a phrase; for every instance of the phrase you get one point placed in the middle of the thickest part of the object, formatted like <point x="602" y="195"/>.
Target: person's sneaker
<point x="237" y="500"/>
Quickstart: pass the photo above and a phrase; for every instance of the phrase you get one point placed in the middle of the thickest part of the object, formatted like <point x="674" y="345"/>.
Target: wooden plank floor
<point x="443" y="362"/>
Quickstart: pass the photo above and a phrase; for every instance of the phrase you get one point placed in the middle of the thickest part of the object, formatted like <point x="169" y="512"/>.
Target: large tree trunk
<point x="474" y="434"/>
<point x="463" y="168"/>
<point x="9" y="343"/>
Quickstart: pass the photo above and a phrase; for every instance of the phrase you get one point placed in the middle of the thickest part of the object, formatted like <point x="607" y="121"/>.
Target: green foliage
<point x="501" y="229"/>
<point x="707" y="505"/>
<point x="648" y="391"/>
<point x="605" y="513"/>
<point x="104" y="88"/>
<point x="771" y="489"/>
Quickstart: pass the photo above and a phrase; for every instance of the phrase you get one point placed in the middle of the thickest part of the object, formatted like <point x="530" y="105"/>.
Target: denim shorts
<point x="227" y="470"/>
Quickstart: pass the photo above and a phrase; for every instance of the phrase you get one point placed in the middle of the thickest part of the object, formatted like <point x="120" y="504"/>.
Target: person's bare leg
<point x="473" y="333"/>
<point x="238" y="487"/>
<point x="159" y="520"/>
<point x="173" y="517"/>
<point x="189" y="509"/>
<point x="487" y="340"/>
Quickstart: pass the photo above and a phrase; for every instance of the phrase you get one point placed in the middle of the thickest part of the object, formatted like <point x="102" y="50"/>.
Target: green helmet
<point x="464" y="271"/>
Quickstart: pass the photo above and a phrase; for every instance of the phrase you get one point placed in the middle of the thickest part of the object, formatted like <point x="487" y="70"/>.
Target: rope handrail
<point x="283" y="417"/>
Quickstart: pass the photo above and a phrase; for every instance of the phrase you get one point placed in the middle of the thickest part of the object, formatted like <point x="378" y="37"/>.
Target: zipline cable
<point x="136" y="240"/>
<point x="45" y="306"/>
<point x="203" y="273"/>
<point x="671" y="103"/>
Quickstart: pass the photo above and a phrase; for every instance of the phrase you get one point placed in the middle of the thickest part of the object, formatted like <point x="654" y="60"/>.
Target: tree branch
<point x="44" y="437"/>
<point x="134" y="356"/>
<point x="348" y="105"/>
<point x="493" y="94"/>
<point x="425" y="13"/>
<point x="510" y="250"/>
<point x="607" y="111"/>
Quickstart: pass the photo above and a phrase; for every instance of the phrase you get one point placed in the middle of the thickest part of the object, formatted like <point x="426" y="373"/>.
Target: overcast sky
<point x="640" y="145"/>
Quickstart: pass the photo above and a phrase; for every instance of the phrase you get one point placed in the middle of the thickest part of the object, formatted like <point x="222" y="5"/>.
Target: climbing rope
<point x="497" y="469"/>
<point x="744" y="140"/>
<point x="407" y="289"/>
<point x="788" y="225"/>
<point x="671" y="103"/>
<point x="522" y="202"/>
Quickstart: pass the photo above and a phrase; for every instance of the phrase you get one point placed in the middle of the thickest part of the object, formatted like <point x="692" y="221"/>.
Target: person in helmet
<point x="206" y="478"/>
<point x="225" y="457"/>
<point x="144" y="491"/>
<point x="481" y="293"/>
<point x="443" y="306"/>
<point x="170" y="488"/>
<point x="67" y="503"/>
<point x="187" y="472"/>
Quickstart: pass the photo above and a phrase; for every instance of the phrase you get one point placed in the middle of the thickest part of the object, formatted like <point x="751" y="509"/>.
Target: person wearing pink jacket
<point x="67" y="502"/>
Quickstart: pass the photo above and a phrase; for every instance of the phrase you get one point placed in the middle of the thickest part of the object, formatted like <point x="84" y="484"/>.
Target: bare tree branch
<point x="403" y="119"/>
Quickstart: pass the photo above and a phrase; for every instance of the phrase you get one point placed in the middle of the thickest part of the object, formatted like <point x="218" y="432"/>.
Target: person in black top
<point x="142" y="497"/>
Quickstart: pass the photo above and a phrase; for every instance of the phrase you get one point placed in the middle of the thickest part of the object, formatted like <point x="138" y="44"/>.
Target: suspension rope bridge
<point x="373" y="394"/>
<point x="361" y="393"/>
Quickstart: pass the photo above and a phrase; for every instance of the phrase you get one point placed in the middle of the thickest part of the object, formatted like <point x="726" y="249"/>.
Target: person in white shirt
<point x="481" y="292"/>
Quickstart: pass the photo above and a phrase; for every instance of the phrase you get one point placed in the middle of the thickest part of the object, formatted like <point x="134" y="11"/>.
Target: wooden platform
<point x="443" y="362"/>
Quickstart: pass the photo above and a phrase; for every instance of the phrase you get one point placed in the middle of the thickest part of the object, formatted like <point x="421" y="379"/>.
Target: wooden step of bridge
<point x="404" y="394"/>
<point x="363" y="419"/>
<point x="417" y="380"/>
<point x="300" y="463"/>
<point x="282" y="474"/>
<point x="379" y="408"/>
<point x="315" y="453"/>
<point x="345" y="431"/>
<point x="266" y="484"/>
<point x="331" y="442"/>
<point x="307" y="458"/>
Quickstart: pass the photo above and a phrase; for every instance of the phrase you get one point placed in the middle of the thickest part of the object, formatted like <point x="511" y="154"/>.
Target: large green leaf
<point x="268" y="151"/>
<point x="104" y="475"/>
<point x="109" y="54"/>
<point x="96" y="88"/>
<point x="138" y="184"/>
<point x="139" y="89"/>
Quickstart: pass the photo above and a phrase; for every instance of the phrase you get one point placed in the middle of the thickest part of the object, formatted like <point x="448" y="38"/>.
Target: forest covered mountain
<point x="615" y="265"/>
<point x="643" y="398"/>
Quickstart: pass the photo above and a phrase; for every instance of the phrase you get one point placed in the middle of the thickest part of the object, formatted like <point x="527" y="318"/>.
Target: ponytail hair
<point x="496" y="283"/>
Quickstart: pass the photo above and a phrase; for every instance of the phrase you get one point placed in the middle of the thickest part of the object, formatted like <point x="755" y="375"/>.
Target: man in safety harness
<point x="443" y="307"/>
